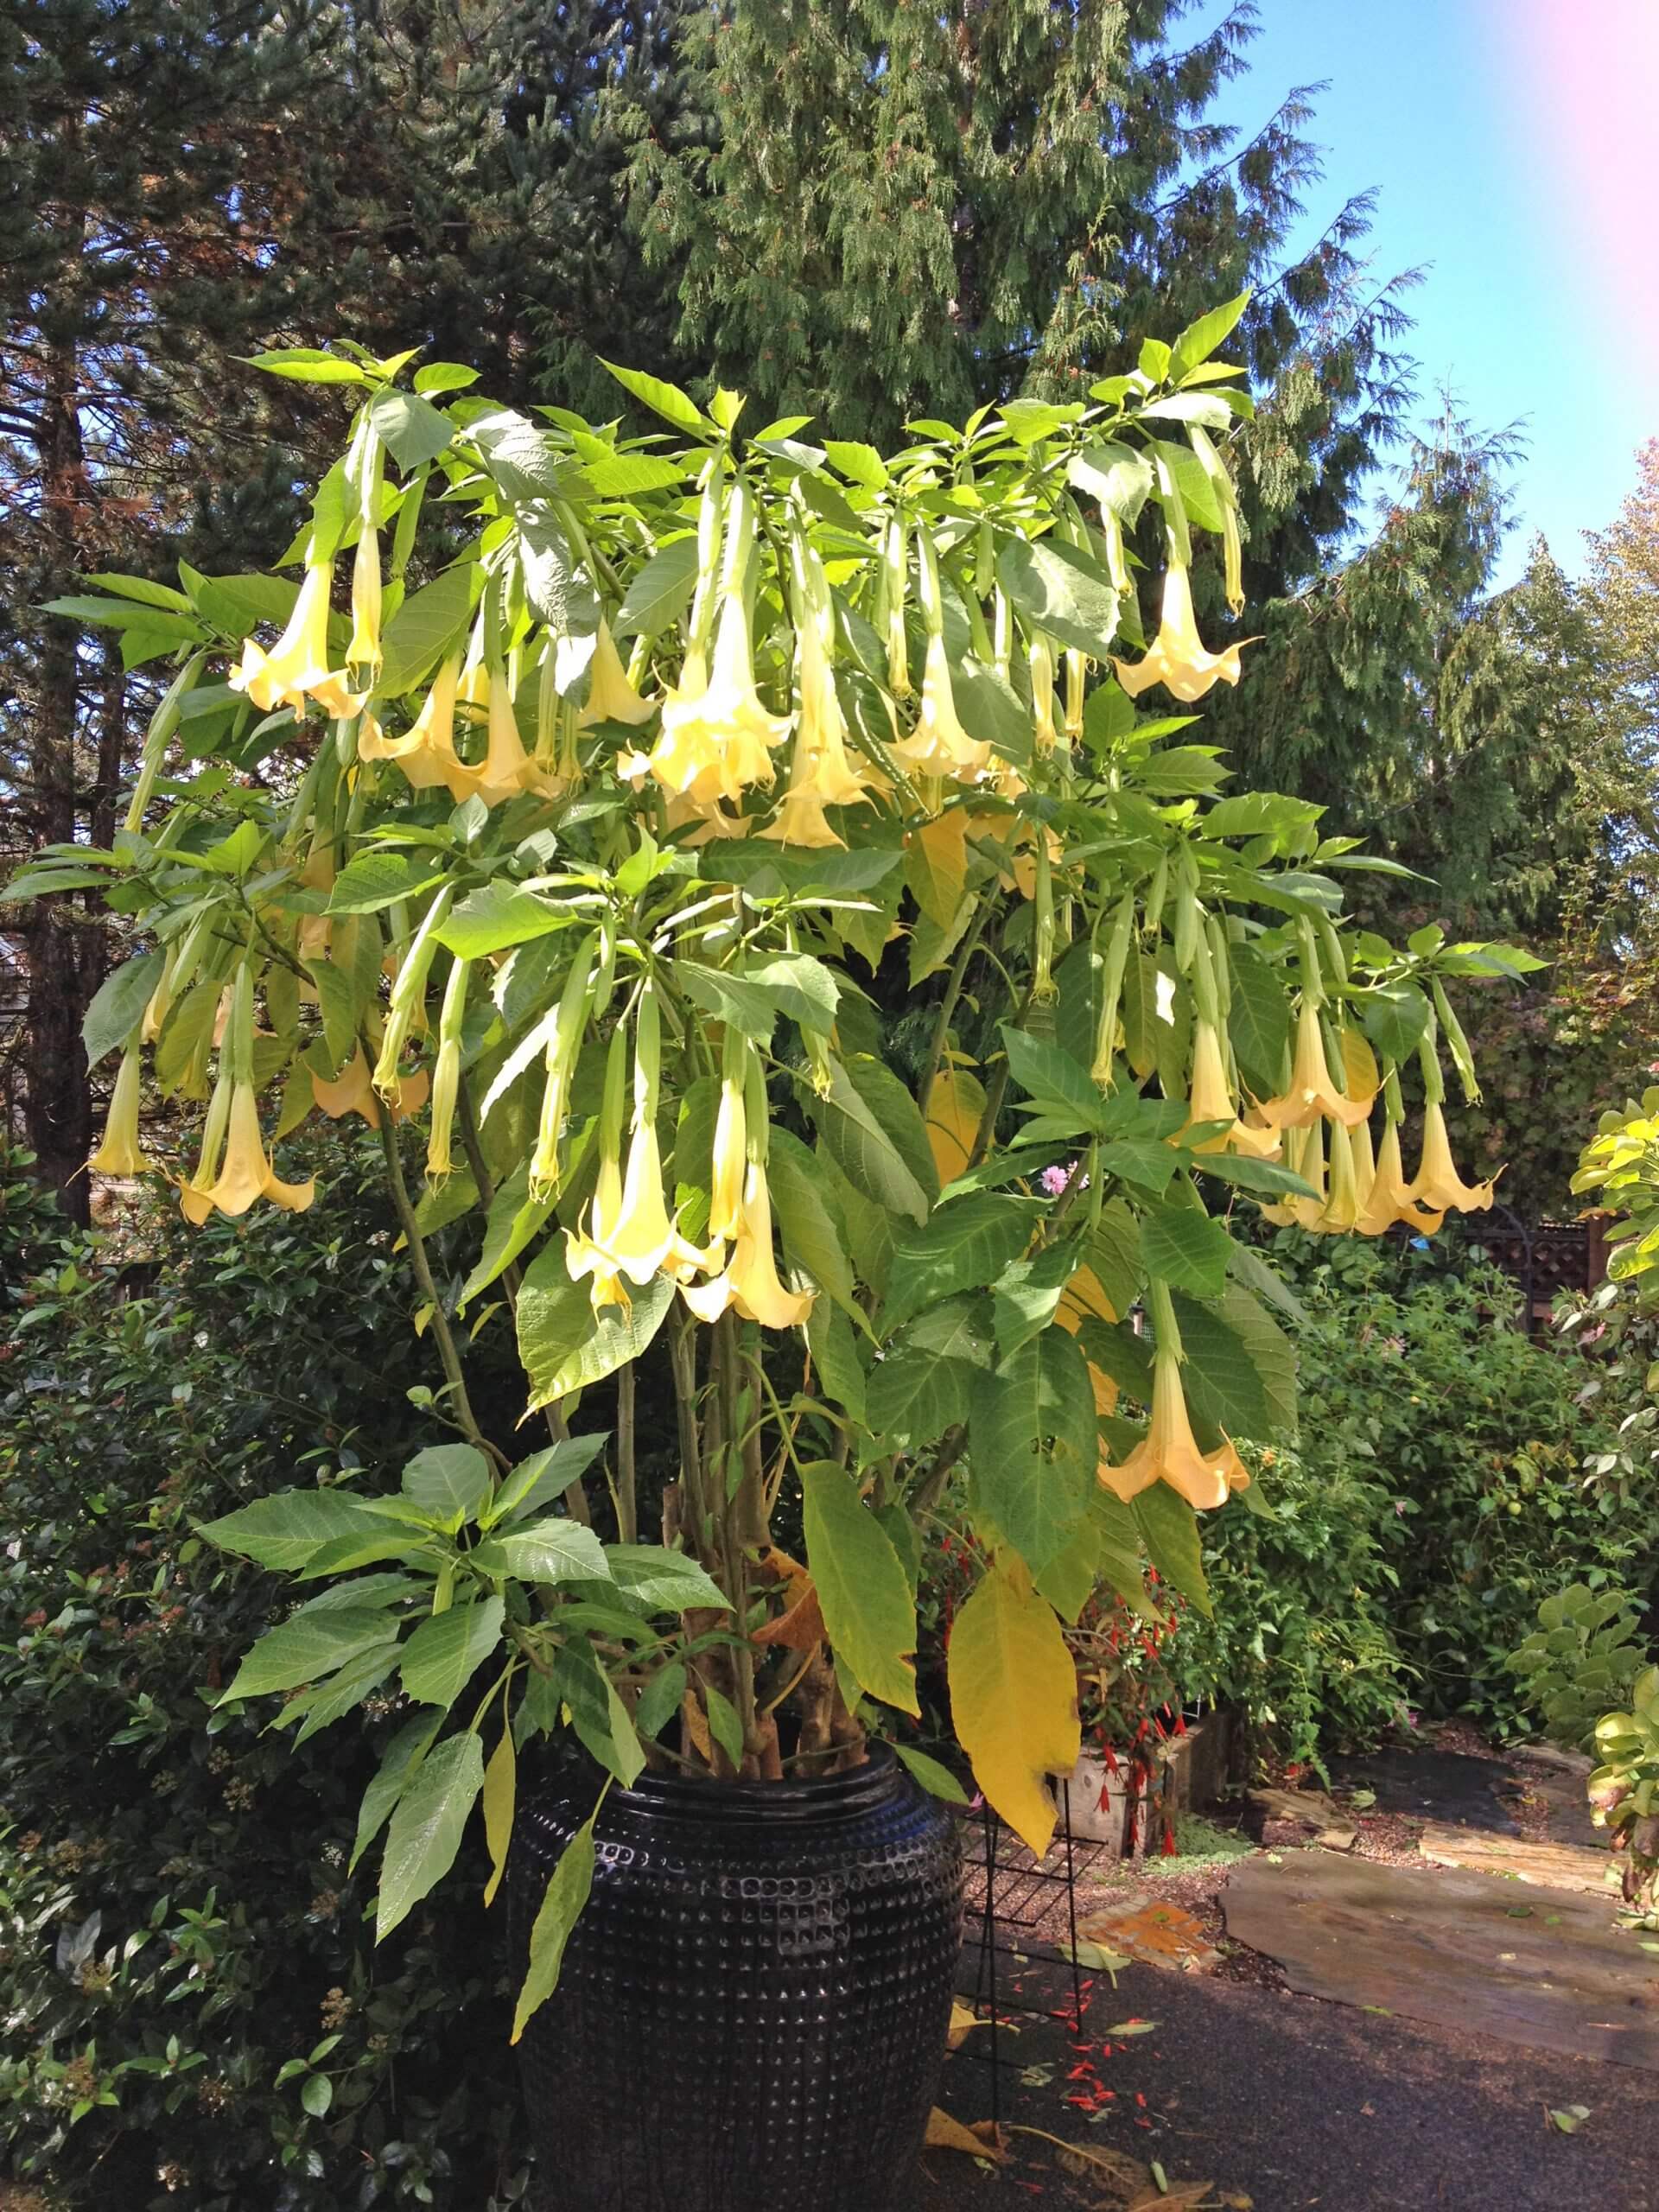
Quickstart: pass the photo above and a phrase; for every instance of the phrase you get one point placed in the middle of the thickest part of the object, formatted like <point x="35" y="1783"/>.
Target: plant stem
<point x="627" y="1511"/>
<point x="947" y="1004"/>
<point x="442" y="1332"/>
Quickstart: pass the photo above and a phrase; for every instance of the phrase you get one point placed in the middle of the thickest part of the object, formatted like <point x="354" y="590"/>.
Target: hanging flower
<point x="611" y="698"/>
<point x="1305" y="1153"/>
<point x="1212" y="1101"/>
<point x="750" y="1282"/>
<point x="1344" y="1191"/>
<point x="731" y="1147"/>
<point x="590" y="1256"/>
<point x="1437" y="1184"/>
<point x="1169" y="1451"/>
<point x="1045" y="736"/>
<point x="1312" y="1095"/>
<point x="427" y="753"/>
<point x="296" y="667"/>
<point x="717" y="738"/>
<point x="351" y="1092"/>
<point x="121" y="1152"/>
<point x="938" y="745"/>
<point x="1386" y="1199"/>
<point x="1178" y="659"/>
<point x="363" y="651"/>
<point x="821" y="774"/>
<point x="246" y="1172"/>
<point x="506" y="768"/>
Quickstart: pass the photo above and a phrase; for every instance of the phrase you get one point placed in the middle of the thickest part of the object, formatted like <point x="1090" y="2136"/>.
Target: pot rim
<point x="818" y="1798"/>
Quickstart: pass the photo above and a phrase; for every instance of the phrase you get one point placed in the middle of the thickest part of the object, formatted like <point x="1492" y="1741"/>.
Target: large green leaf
<point x="1395" y="1018"/>
<point x="1169" y="1529"/>
<point x="921" y="1387"/>
<point x="119" y="1005"/>
<point x="1258" y="1019"/>
<point x="429" y="623"/>
<point x="834" y="1353"/>
<point x="859" y="1140"/>
<point x="1219" y="1376"/>
<point x="515" y="1220"/>
<point x="1184" y="1247"/>
<point x="397" y="1769"/>
<point x="306" y="1648"/>
<point x="426" y="1823"/>
<point x="449" y="1483"/>
<point x="497" y="915"/>
<point x="661" y="592"/>
<point x="379" y="879"/>
<point x="1057" y="1082"/>
<point x="965" y="1245"/>
<point x="597" y="1715"/>
<point x="556" y="1549"/>
<point x="812" y="1239"/>
<point x="1061" y="591"/>
<point x="287" y="1529"/>
<point x="563" y="1344"/>
<point x="863" y="1592"/>
<point x="567" y="1892"/>
<point x="412" y="429"/>
<point x="447" y="1649"/>
<point x="669" y="1582"/>
<point x="1034" y="1445"/>
<point x="546" y="1475"/>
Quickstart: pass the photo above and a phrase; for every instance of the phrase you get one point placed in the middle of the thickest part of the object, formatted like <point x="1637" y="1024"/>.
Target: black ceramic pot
<point x="752" y="2009"/>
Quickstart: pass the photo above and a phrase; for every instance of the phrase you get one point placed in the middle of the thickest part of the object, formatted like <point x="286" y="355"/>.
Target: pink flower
<point x="1054" y="1181"/>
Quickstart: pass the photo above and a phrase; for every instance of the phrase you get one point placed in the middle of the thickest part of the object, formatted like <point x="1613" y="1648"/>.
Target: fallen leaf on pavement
<point x="1096" y="1956"/>
<point x="962" y="2024"/>
<point x="1133" y="2028"/>
<point x="1571" y="2119"/>
<point x="980" y="2139"/>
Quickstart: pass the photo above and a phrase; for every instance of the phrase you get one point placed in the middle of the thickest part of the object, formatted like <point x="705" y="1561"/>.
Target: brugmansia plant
<point x="575" y="819"/>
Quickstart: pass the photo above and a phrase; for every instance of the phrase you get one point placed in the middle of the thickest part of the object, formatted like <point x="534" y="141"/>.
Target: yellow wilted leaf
<point x="936" y="866"/>
<point x="1081" y="1297"/>
<point x="962" y="2024"/>
<point x="500" y="1792"/>
<point x="1013" y="1698"/>
<point x="956" y="1100"/>
<point x="981" y="2140"/>
<point x="1361" y="1077"/>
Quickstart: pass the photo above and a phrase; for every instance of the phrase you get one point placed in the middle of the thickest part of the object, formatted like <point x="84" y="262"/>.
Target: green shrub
<point x="1579" y="1663"/>
<point x="195" y="2013"/>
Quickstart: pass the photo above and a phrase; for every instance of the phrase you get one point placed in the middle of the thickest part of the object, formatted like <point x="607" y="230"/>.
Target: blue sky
<point x="1512" y="160"/>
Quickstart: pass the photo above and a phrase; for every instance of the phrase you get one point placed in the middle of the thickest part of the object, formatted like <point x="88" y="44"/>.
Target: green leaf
<point x="429" y="625"/>
<point x="447" y="1649"/>
<point x="937" y="1780"/>
<point x="141" y="589"/>
<point x="990" y="710"/>
<point x="1395" y="1018"/>
<point x="1111" y="1250"/>
<point x="1249" y="1269"/>
<point x="863" y="1592"/>
<point x="448" y="1482"/>
<point x="546" y="1475"/>
<point x="568" y="1891"/>
<point x="858" y="463"/>
<point x="444" y="376"/>
<point x="661" y="592"/>
<point x="965" y="1245"/>
<point x="556" y="1549"/>
<point x="1117" y="476"/>
<point x="557" y="584"/>
<point x="626" y="475"/>
<point x="495" y="916"/>
<point x="1034" y="1445"/>
<point x="1060" y="591"/>
<point x="660" y="1701"/>
<point x="834" y="1353"/>
<point x="316" y="2095"/>
<point x="723" y="1724"/>
<point x="410" y="429"/>
<point x="664" y="399"/>
<point x="426" y="1823"/>
<point x="564" y="1346"/>
<point x="342" y="1693"/>
<point x="287" y="1530"/>
<point x="515" y="1219"/>
<point x="376" y="879"/>
<point x="1258" y="1019"/>
<point x="1258" y="814"/>
<point x="861" y="1139"/>
<point x="306" y="365"/>
<point x="1169" y="1529"/>
<point x="401" y="1758"/>
<point x="1200" y="339"/>
<point x="801" y="987"/>
<point x="921" y="1387"/>
<point x="119" y="1006"/>
<point x="306" y="1648"/>
<point x="812" y="1239"/>
<point x="666" y="1581"/>
<point x="1185" y="1248"/>
<point x="1218" y="1376"/>
<point x="729" y="997"/>
<point x="1246" y="1174"/>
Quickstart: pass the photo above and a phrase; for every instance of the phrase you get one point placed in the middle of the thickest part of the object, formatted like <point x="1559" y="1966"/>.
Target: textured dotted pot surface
<point x="752" y="2008"/>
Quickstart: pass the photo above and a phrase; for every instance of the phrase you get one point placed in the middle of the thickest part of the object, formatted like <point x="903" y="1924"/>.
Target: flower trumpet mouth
<point x="717" y="738"/>
<point x="1437" y="1185"/>
<point x="245" y="1173"/>
<point x="296" y="667"/>
<point x="1312" y="1095"/>
<point x="1211" y="1101"/>
<point x="749" y="1282"/>
<point x="1178" y="658"/>
<point x="1169" y="1451"/>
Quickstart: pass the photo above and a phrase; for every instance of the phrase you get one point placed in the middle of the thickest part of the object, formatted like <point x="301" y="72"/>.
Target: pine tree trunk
<point x="62" y="944"/>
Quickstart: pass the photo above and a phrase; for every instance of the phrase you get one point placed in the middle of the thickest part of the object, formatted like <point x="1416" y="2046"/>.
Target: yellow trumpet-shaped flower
<point x="1386" y="1199"/>
<point x="731" y="1153"/>
<point x="1343" y="1192"/>
<point x="1045" y="736"/>
<point x="611" y="698"/>
<point x="821" y="774"/>
<point x="717" y="738"/>
<point x="1169" y="1451"/>
<point x="750" y="1283"/>
<point x="1436" y="1183"/>
<point x="364" y="651"/>
<point x="427" y="753"/>
<point x="1305" y="1156"/>
<point x="245" y="1173"/>
<point x="938" y="745"/>
<point x="1312" y="1096"/>
<point x="296" y="667"/>
<point x="1178" y="658"/>
<point x="506" y="769"/>
<point x="1212" y="1101"/>
<point x="351" y="1092"/>
<point x="121" y="1152"/>
<point x="590" y="1256"/>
